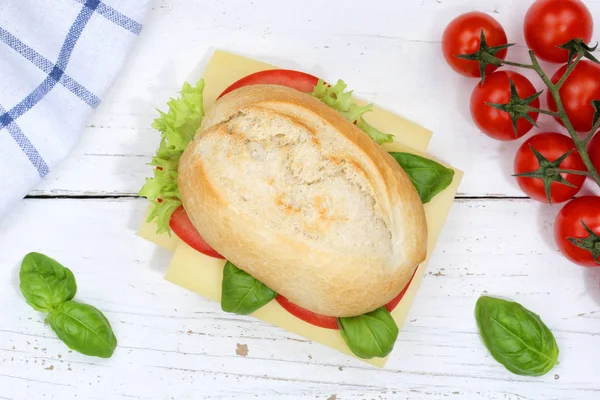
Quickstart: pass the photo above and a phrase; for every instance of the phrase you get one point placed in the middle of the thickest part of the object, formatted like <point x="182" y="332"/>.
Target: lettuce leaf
<point x="335" y="97"/>
<point x="177" y="127"/>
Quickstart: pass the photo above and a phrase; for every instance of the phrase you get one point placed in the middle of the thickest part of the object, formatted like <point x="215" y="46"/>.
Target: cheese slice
<point x="225" y="68"/>
<point x="203" y="274"/>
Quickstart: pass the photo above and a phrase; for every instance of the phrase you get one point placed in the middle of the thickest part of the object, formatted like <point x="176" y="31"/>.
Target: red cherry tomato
<point x="594" y="151"/>
<point x="551" y="145"/>
<point x="569" y="225"/>
<point x="551" y="23"/>
<point x="182" y="226"/>
<point x="496" y="123"/>
<point x="463" y="36"/>
<point x="577" y="93"/>
<point x="295" y="79"/>
<point x="325" y="321"/>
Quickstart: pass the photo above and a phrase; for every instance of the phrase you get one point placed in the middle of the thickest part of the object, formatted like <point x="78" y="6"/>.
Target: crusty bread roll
<point x="289" y="191"/>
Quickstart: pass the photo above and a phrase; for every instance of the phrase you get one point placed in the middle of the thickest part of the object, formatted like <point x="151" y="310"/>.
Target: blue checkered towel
<point x="57" y="60"/>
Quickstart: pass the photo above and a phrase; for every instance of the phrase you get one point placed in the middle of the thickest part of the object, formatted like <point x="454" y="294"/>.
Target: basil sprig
<point x="516" y="337"/>
<point x="45" y="283"/>
<point x="241" y="293"/>
<point x="429" y="177"/>
<point x="369" y="335"/>
<point x="50" y="287"/>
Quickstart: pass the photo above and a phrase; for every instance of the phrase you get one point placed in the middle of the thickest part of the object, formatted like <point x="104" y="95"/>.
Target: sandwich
<point x="284" y="180"/>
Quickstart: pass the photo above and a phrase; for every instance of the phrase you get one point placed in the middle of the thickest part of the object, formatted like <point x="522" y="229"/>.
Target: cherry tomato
<point x="577" y="93"/>
<point x="295" y="79"/>
<point x="463" y="36"/>
<point x="182" y="226"/>
<point x="594" y="151"/>
<point x="325" y="321"/>
<point x="497" y="123"/>
<point x="552" y="146"/>
<point x="569" y="224"/>
<point x="551" y="23"/>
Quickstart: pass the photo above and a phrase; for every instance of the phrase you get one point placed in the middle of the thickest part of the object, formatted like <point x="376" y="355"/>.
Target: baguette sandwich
<point x="284" y="179"/>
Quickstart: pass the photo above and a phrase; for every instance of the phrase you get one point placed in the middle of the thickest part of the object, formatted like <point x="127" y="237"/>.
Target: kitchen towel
<point x="57" y="60"/>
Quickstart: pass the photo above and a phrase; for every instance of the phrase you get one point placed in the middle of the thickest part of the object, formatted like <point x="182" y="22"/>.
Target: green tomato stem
<point x="542" y="111"/>
<point x="513" y="64"/>
<point x="572" y="172"/>
<point x="591" y="134"/>
<point x="568" y="72"/>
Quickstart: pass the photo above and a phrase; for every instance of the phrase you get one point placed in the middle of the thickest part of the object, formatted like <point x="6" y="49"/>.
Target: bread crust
<point x="272" y="231"/>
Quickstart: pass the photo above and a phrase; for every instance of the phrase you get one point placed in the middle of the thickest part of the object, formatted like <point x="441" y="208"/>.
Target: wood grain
<point x="388" y="52"/>
<point x="176" y="344"/>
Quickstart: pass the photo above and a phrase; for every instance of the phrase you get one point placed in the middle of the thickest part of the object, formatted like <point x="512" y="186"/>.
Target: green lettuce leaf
<point x="341" y="101"/>
<point x="177" y="127"/>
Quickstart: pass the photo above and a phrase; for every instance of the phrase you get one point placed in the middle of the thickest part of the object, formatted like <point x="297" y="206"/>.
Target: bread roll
<point x="289" y="191"/>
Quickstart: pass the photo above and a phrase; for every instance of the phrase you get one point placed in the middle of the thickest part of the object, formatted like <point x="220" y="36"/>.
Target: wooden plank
<point x="176" y="344"/>
<point x="388" y="52"/>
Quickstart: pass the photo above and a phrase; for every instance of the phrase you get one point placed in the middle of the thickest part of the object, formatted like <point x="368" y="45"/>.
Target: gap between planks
<point x="125" y="195"/>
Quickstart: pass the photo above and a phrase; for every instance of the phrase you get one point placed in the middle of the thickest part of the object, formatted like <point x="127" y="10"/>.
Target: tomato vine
<point x="554" y="89"/>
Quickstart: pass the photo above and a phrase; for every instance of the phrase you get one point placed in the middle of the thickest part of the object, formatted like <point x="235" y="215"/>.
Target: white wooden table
<point x="176" y="345"/>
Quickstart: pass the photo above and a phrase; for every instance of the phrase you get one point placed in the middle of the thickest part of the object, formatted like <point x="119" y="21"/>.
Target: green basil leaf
<point x="428" y="176"/>
<point x="369" y="335"/>
<point x="45" y="283"/>
<point x="83" y="328"/>
<point x="516" y="337"/>
<point x="241" y="293"/>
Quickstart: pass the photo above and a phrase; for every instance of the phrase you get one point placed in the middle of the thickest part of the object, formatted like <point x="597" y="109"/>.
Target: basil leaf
<point x="83" y="328"/>
<point x="428" y="176"/>
<point x="241" y="293"/>
<point x="45" y="283"/>
<point x="369" y="335"/>
<point x="516" y="337"/>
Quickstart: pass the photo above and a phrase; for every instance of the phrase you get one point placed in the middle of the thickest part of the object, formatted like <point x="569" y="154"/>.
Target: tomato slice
<point x="284" y="77"/>
<point x="182" y="226"/>
<point x="392" y="304"/>
<point x="312" y="318"/>
<point x="324" y="321"/>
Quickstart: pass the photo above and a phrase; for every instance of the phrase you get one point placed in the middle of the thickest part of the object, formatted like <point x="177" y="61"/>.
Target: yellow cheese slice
<point x="224" y="68"/>
<point x="203" y="275"/>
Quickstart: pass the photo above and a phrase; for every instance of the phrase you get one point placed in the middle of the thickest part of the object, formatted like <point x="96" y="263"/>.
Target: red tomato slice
<point x="392" y="304"/>
<point x="284" y="77"/>
<point x="182" y="226"/>
<point x="325" y="321"/>
<point x="312" y="318"/>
